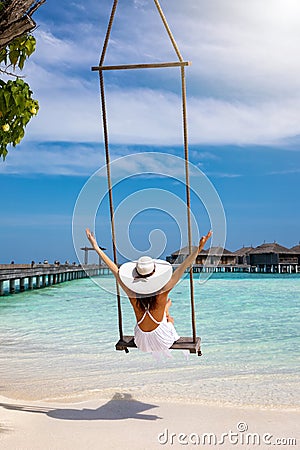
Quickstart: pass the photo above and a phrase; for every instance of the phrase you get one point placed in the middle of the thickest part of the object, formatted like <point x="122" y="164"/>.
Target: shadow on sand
<point x="121" y="406"/>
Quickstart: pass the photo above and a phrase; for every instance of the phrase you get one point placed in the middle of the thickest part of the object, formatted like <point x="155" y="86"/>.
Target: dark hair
<point x="146" y="302"/>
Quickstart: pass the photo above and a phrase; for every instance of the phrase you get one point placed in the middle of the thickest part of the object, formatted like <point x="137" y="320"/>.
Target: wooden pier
<point x="287" y="268"/>
<point x="16" y="278"/>
<point x="21" y="277"/>
<point x="222" y="268"/>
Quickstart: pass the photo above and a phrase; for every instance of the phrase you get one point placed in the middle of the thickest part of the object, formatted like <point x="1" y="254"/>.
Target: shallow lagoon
<point x="58" y="342"/>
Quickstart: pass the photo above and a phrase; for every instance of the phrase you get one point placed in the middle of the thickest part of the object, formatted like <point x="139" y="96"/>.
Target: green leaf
<point x="30" y="45"/>
<point x="16" y="102"/>
<point x="7" y="98"/>
<point x="22" y="60"/>
<point x="4" y="153"/>
<point x="19" y="99"/>
<point x="13" y="57"/>
<point x="3" y="55"/>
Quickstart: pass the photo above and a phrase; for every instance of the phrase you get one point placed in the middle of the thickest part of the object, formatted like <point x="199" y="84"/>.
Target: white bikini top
<point x="150" y="315"/>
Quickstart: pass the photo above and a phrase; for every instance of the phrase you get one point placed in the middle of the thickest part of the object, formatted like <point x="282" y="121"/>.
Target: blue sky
<point x="243" y="107"/>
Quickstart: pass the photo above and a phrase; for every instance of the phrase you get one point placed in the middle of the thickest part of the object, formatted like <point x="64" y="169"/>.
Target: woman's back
<point x="156" y="307"/>
<point x="153" y="331"/>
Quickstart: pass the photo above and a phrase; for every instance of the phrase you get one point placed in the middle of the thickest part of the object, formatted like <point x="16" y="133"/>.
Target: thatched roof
<point x="295" y="249"/>
<point x="213" y="251"/>
<point x="243" y="251"/>
<point x="270" y="248"/>
<point x="183" y="251"/>
<point x="217" y="251"/>
<point x="264" y="248"/>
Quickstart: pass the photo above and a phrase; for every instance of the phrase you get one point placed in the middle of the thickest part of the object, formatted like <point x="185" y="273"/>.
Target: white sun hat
<point x="146" y="275"/>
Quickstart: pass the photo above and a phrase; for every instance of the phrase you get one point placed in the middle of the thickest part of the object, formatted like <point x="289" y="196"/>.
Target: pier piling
<point x="22" y="284"/>
<point x="12" y="286"/>
<point x="21" y="277"/>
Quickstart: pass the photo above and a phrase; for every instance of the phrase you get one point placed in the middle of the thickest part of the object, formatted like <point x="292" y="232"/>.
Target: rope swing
<point x="186" y="343"/>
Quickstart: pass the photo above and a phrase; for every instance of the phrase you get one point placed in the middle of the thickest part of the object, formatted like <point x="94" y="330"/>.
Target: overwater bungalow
<point x="296" y="250"/>
<point x="267" y="258"/>
<point x="216" y="255"/>
<point x="272" y="257"/>
<point x="213" y="256"/>
<point x="179" y="256"/>
<point x="241" y="255"/>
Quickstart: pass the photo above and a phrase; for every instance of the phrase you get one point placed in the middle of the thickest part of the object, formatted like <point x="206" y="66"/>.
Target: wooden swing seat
<point x="183" y="343"/>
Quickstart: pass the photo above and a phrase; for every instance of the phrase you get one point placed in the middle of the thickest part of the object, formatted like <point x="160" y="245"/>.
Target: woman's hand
<point x="179" y="272"/>
<point x="204" y="239"/>
<point x="91" y="237"/>
<point x="110" y="264"/>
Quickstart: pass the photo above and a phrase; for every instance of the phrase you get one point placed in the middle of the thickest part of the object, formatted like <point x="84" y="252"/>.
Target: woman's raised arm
<point x="178" y="273"/>
<point x="110" y="264"/>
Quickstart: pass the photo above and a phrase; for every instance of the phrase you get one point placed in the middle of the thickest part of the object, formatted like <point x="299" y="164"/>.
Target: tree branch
<point x="10" y="74"/>
<point x="16" y="19"/>
<point x="35" y="7"/>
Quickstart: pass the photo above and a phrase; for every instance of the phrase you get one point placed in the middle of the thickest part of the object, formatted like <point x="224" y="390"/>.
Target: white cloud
<point x="64" y="53"/>
<point x="221" y="122"/>
<point x="243" y="83"/>
<point x="223" y="175"/>
<point x="69" y="159"/>
<point x="206" y="156"/>
<point x="35" y="220"/>
<point x="55" y="160"/>
<point x="293" y="171"/>
<point x="153" y="117"/>
<point x="249" y="48"/>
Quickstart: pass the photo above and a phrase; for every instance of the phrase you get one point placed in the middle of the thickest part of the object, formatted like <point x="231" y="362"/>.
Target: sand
<point x="127" y="423"/>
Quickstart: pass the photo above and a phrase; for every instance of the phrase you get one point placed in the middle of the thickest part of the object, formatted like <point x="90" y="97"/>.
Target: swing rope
<point x="182" y="64"/>
<point x="186" y="158"/>
<point x="164" y="20"/>
<point x="107" y="159"/>
<point x="188" y="196"/>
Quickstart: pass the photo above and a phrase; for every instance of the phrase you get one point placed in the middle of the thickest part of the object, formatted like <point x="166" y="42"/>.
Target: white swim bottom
<point x="158" y="340"/>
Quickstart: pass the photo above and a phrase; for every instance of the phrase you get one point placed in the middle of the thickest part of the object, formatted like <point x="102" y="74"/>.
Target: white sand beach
<point x="64" y="387"/>
<point x="127" y="423"/>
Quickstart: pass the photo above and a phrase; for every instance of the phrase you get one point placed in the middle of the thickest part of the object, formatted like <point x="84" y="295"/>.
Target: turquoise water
<point x="58" y="342"/>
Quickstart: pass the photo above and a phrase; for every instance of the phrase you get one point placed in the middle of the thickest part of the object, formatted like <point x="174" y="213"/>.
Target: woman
<point x="147" y="283"/>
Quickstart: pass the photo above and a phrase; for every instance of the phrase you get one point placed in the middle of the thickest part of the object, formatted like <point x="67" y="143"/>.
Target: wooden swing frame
<point x="192" y="344"/>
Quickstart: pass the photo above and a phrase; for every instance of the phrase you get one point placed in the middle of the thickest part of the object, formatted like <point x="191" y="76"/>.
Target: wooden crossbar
<point x="142" y="66"/>
<point x="183" y="343"/>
